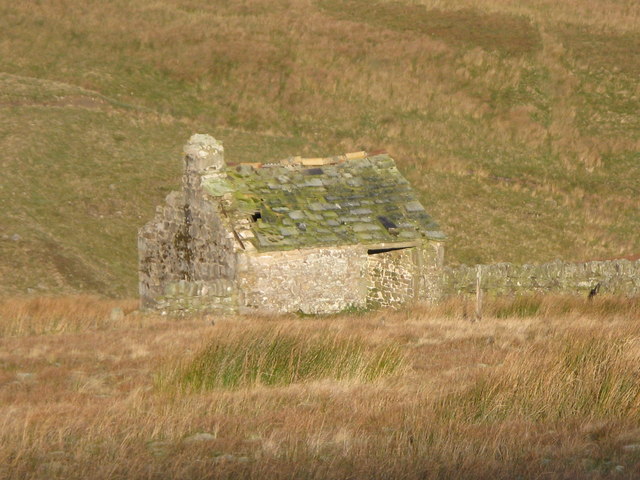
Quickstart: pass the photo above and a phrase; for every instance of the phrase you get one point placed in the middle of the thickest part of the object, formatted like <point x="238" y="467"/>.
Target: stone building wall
<point x="392" y="276"/>
<point x="217" y="296"/>
<point x="186" y="253"/>
<point x="334" y="279"/>
<point x="211" y="240"/>
<point x="621" y="277"/>
<point x="314" y="280"/>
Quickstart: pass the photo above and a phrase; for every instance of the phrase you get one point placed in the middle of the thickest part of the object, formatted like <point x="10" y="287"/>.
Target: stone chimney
<point x="203" y="158"/>
<point x="203" y="153"/>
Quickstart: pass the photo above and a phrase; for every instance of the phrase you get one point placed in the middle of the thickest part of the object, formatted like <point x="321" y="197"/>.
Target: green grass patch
<point x="520" y="307"/>
<point x="581" y="378"/>
<point x="260" y="358"/>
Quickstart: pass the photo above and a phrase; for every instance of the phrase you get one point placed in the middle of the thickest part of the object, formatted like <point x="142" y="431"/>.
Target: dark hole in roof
<point x="387" y="223"/>
<point x="313" y="171"/>
<point x="255" y="216"/>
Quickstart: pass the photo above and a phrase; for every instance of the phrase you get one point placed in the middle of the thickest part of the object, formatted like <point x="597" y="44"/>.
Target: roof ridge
<point x="298" y="160"/>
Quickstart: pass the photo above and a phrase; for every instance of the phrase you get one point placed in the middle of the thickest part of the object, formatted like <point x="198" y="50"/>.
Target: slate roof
<point x="289" y="205"/>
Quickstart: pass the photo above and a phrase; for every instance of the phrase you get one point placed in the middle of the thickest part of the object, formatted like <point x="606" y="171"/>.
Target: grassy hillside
<point x="517" y="121"/>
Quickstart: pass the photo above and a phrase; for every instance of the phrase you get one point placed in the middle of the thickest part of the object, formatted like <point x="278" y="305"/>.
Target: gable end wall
<point x="162" y="256"/>
<point x="187" y="259"/>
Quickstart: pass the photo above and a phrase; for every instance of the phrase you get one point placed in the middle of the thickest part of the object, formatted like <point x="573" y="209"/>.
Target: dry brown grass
<point x="541" y="388"/>
<point x="23" y="316"/>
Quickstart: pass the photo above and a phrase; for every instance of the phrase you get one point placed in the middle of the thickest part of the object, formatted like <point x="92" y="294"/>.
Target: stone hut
<point x="311" y="235"/>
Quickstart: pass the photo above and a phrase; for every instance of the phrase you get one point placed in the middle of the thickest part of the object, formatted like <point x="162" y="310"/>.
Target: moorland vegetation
<point x="544" y="392"/>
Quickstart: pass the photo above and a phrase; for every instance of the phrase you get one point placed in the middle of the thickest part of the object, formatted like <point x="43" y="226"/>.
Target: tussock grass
<point x="278" y="358"/>
<point x="575" y="378"/>
<point x="521" y="306"/>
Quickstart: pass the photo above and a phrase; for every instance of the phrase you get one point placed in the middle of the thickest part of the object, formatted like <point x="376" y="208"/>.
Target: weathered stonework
<point x="319" y="235"/>
<point x="159" y="240"/>
<point x="394" y="277"/>
<point x="318" y="280"/>
<point x="431" y="271"/>
<point x="619" y="277"/>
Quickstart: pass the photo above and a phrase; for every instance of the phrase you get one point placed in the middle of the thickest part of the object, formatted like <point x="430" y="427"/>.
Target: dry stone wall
<point x="621" y="277"/>
<point x="431" y="264"/>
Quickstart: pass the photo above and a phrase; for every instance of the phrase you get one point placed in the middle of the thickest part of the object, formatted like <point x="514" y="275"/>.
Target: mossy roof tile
<point x="362" y="200"/>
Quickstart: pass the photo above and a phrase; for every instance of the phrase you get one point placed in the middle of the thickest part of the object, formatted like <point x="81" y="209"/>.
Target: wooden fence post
<point x="478" y="316"/>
